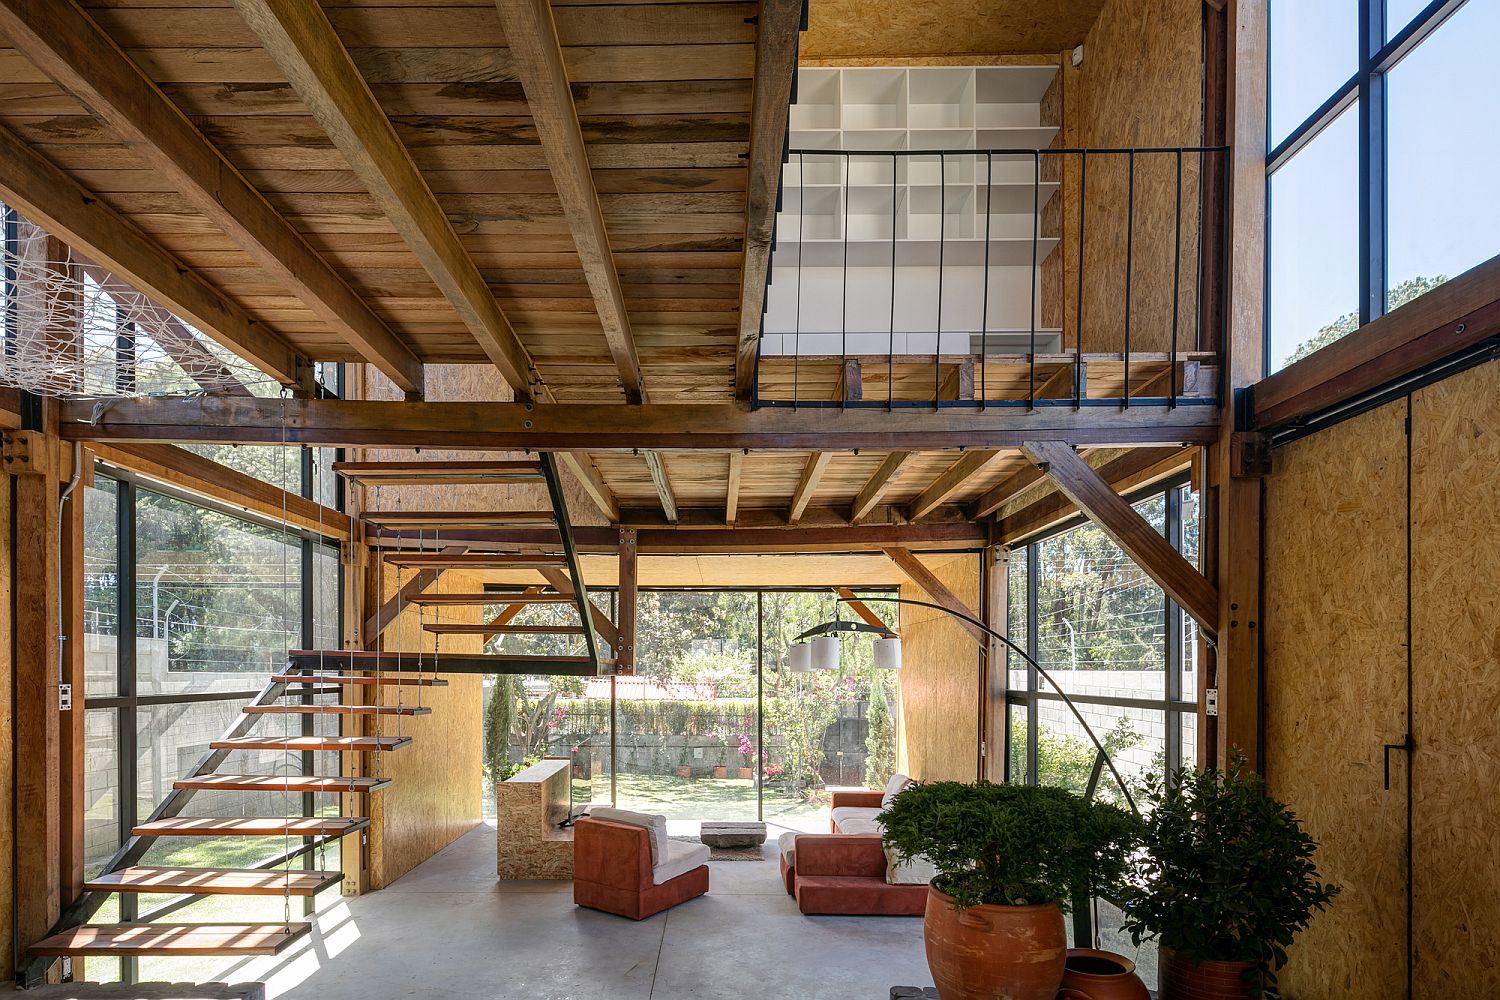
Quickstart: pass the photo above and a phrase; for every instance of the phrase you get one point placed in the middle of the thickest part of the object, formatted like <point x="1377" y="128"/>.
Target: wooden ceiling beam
<point x="52" y="200"/>
<point x="593" y="484"/>
<point x="870" y="494"/>
<point x="950" y="480"/>
<point x="732" y="487"/>
<point x="1133" y="533"/>
<point x="658" y="469"/>
<point x="298" y="36"/>
<point x="775" y="64"/>
<point x="1135" y="469"/>
<point x="66" y="44"/>
<point x="497" y="426"/>
<point x="537" y="58"/>
<point x="919" y="574"/>
<point x="812" y="474"/>
<point x="1003" y="492"/>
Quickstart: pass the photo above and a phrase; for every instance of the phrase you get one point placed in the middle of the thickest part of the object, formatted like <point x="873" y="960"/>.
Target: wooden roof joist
<point x="446" y="473"/>
<point x="604" y="427"/>
<point x="414" y="519"/>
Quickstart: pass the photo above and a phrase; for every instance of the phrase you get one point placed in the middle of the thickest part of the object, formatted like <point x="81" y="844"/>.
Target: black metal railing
<point x="995" y="277"/>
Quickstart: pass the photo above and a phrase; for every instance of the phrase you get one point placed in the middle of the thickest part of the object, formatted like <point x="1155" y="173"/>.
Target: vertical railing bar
<point x="801" y="242"/>
<point x="844" y="298"/>
<point x="1083" y="202"/>
<point x="984" y="307"/>
<point x="1198" y="280"/>
<point x="1176" y="291"/>
<point x="1129" y="263"/>
<point x="1036" y="208"/>
<point x="890" y="351"/>
<point x="937" y="346"/>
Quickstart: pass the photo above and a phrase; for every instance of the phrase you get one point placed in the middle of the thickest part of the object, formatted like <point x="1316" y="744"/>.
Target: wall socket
<point x="65" y="697"/>
<point x="1211" y="701"/>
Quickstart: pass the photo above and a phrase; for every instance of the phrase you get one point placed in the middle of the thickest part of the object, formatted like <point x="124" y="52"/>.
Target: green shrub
<point x="1011" y="845"/>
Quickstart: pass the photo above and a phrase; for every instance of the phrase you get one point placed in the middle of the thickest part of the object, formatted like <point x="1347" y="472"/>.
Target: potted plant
<point x="747" y="757"/>
<point x="1009" y="858"/>
<point x="1225" y="881"/>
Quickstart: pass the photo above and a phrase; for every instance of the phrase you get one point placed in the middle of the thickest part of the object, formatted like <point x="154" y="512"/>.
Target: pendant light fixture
<point x="825" y="653"/>
<point x="799" y="658"/>
<point x="888" y="653"/>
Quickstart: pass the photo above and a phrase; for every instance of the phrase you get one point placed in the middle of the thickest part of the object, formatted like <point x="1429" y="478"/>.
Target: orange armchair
<point x="613" y="870"/>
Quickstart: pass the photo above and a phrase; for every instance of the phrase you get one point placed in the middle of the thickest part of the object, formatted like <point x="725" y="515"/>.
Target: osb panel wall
<point x="1335" y="676"/>
<point x="1456" y="684"/>
<point x="436" y="789"/>
<point x="1140" y="85"/>
<point x="939" y="683"/>
<point x="961" y="30"/>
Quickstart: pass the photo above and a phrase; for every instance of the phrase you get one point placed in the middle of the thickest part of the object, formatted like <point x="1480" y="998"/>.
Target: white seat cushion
<point x="893" y="788"/>
<point x="787" y="843"/>
<point x="917" y="871"/>
<point x="655" y="825"/>
<point x="857" y="819"/>
<point x="680" y="859"/>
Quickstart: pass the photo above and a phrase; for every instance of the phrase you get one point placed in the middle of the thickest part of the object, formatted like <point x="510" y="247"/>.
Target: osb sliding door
<point x="1456" y="685"/>
<point x="1335" y="681"/>
<point x="939" y="680"/>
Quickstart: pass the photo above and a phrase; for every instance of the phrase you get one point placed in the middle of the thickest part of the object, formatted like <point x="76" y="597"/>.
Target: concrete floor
<point x="451" y="929"/>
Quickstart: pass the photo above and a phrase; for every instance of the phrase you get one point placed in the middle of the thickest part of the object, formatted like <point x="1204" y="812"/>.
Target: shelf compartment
<point x="941" y="97"/>
<point x="817" y="101"/>
<point x="874" y="98"/>
<point x="1012" y="84"/>
<point x="950" y="206"/>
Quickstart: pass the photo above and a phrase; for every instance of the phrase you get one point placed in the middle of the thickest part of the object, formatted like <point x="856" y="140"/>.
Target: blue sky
<point x="1443" y="158"/>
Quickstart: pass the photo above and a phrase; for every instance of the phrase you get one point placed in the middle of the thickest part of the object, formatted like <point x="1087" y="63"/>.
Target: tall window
<point x="1381" y="177"/>
<point x="1110" y="637"/>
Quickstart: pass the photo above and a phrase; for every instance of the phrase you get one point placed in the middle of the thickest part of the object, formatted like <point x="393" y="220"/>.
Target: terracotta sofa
<point x="844" y="872"/>
<point x="613" y="869"/>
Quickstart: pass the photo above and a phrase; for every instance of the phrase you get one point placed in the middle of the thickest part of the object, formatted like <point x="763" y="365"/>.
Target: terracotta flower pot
<point x="683" y="771"/>
<point x="984" y="952"/>
<point x="1102" y="975"/>
<point x="1179" y="979"/>
<point x="720" y="772"/>
<point x="747" y="772"/>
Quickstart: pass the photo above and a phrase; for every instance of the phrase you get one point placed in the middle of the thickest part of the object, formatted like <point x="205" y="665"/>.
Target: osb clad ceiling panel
<point x="784" y="570"/>
<point x="896" y="28"/>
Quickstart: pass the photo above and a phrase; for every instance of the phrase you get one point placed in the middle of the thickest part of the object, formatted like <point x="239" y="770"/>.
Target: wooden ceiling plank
<point x="65" y="43"/>
<point x="812" y="474"/>
<point x="1133" y="533"/>
<point x="732" y="487"/>
<point x="775" y="65"/>
<point x="950" y="480"/>
<point x="531" y="32"/>
<point x="658" y="470"/>
<point x="1003" y="492"/>
<point x="51" y="199"/>
<point x="299" y="37"/>
<point x="594" y="487"/>
<point x="870" y="494"/>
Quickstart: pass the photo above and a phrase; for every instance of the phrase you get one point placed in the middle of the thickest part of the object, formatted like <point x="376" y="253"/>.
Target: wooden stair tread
<point x="457" y="473"/>
<point x="172" y="939"/>
<point x="268" y="826"/>
<point x="336" y="710"/>
<point x="214" y="881"/>
<point x="463" y="600"/>
<point x="340" y="679"/>
<point x="311" y="743"/>
<point x="283" y="783"/>
<point x="448" y="663"/>
<point x="456" y="518"/>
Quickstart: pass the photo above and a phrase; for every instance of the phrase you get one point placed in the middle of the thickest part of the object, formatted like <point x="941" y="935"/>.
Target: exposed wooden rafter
<point x="610" y="427"/>
<point x="925" y="578"/>
<point x="1135" y="469"/>
<point x="594" y="486"/>
<point x="775" y="65"/>
<point x="53" y="200"/>
<point x="1133" y="533"/>
<point x="949" y="481"/>
<point x="870" y="494"/>
<point x="299" y="37"/>
<point x="812" y="474"/>
<point x="1003" y="492"/>
<point x="658" y="469"/>
<point x="66" y="44"/>
<point x="537" y="58"/>
<point x="732" y="487"/>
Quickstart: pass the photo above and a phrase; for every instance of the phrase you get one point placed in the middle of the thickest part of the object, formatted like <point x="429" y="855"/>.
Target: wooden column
<point x="34" y="547"/>
<point x="625" y="648"/>
<point x="993" y="715"/>
<point x="71" y="729"/>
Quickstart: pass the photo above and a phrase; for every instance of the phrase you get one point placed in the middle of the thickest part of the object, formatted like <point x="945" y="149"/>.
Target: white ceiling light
<point x="888" y="654"/>
<point x="825" y="653"/>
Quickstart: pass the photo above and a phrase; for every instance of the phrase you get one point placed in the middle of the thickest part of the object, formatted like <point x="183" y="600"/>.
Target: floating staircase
<point x="312" y="672"/>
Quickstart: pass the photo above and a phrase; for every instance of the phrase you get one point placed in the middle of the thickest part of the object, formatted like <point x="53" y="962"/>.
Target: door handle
<point x="1409" y="744"/>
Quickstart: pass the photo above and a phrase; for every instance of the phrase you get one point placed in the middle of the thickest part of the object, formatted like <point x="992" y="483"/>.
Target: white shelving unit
<point x="865" y="208"/>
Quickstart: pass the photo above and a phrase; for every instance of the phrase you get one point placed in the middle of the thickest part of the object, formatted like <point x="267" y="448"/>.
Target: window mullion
<point x="1372" y="163"/>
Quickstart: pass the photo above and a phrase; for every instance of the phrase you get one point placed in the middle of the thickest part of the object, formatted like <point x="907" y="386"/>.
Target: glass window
<point x="1399" y="13"/>
<point x="1020" y="742"/>
<point x="1016" y="617"/>
<point x="1314" y="267"/>
<point x="1314" y="51"/>
<point x="101" y="787"/>
<point x="101" y="589"/>
<point x="1444" y="207"/>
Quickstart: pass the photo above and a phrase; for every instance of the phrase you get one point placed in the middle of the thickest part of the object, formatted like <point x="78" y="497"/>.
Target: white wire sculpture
<point x="71" y="328"/>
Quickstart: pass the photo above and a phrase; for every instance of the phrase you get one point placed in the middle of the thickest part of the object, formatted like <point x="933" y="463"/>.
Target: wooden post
<point x="994" y="714"/>
<point x="71" y="728"/>
<point x="625" y="647"/>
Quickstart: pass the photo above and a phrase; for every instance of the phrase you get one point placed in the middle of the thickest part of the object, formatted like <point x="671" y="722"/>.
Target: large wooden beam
<point x="732" y="487"/>
<point x="53" y="200"/>
<point x="1132" y="532"/>
<point x="627" y="577"/>
<point x="607" y="427"/>
<point x="950" y="480"/>
<point x="536" y="55"/>
<point x="66" y="44"/>
<point x="775" y="66"/>
<point x="870" y="494"/>
<point x="298" y="36"/>
<point x="1135" y="469"/>
<point x="812" y="474"/>
<point x="658" y="469"/>
<point x="594" y="486"/>
<point x="918" y="573"/>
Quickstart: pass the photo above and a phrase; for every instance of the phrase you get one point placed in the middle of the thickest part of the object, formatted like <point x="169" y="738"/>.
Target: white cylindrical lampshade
<point x="799" y="657"/>
<point x="825" y="653"/>
<point x="888" y="654"/>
